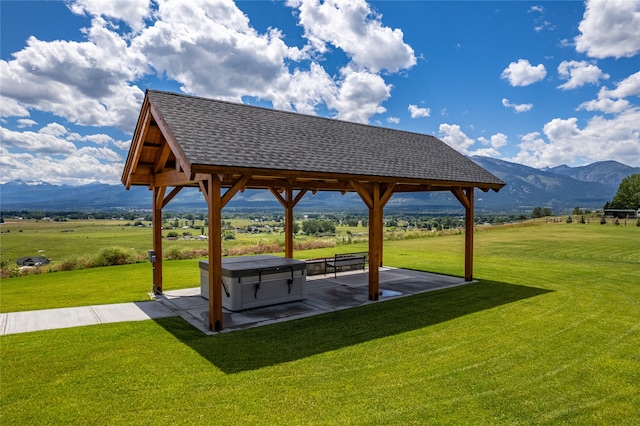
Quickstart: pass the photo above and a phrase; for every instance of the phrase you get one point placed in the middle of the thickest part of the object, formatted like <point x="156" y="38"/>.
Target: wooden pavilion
<point x="185" y="141"/>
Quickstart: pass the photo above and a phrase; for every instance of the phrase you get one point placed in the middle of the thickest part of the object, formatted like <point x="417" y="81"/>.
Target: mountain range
<point x="560" y="188"/>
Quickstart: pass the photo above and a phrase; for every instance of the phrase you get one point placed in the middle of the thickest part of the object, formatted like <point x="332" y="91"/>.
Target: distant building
<point x="622" y="213"/>
<point x="33" y="261"/>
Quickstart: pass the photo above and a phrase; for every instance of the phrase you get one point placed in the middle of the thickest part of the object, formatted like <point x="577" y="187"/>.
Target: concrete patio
<point x="325" y="293"/>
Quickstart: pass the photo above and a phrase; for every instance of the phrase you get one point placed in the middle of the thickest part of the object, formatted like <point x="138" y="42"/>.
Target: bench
<point x="348" y="259"/>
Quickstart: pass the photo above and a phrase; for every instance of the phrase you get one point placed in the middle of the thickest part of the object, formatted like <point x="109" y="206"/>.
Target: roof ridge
<point x="296" y="113"/>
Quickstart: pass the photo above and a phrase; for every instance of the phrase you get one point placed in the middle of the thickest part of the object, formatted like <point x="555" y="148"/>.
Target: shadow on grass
<point x="289" y="341"/>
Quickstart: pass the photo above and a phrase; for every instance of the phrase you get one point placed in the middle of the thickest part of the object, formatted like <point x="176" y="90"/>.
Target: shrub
<point x="114" y="256"/>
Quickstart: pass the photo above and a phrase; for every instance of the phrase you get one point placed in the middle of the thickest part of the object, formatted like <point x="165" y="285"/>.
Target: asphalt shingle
<point x="218" y="133"/>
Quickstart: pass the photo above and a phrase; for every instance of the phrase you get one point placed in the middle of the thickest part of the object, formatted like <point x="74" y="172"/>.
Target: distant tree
<point x="536" y="212"/>
<point x="577" y="211"/>
<point x="546" y="211"/>
<point x="569" y="219"/>
<point x="582" y="219"/>
<point x="628" y="195"/>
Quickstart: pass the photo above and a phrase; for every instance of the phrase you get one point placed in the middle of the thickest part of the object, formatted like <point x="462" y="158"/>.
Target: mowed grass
<point x="548" y="335"/>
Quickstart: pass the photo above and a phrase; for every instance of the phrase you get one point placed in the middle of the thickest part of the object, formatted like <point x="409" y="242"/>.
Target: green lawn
<point x="549" y="335"/>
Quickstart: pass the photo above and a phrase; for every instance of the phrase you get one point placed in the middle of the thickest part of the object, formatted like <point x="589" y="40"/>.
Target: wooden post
<point x="375" y="200"/>
<point x="288" y="224"/>
<point x="212" y="195"/>
<point x="468" y="236"/>
<point x="288" y="202"/>
<point x="158" y="195"/>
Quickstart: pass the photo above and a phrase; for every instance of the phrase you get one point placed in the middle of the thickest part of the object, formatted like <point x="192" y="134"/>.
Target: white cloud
<point x="132" y="12"/>
<point x="44" y="141"/>
<point x="492" y="145"/>
<point x="617" y="138"/>
<point x="360" y="95"/>
<point x="352" y="26"/>
<point x="417" y="112"/>
<point x="605" y="104"/>
<point x="83" y="82"/>
<point x="579" y="73"/>
<point x="610" y="29"/>
<point x="26" y="122"/>
<point x="453" y="136"/>
<point x="79" y="168"/>
<point x="522" y="73"/>
<point x="393" y="120"/>
<point x="630" y="86"/>
<point x="518" y="108"/>
<point x="612" y="101"/>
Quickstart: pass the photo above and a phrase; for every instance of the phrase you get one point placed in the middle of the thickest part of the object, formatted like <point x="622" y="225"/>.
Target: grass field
<point x="549" y="335"/>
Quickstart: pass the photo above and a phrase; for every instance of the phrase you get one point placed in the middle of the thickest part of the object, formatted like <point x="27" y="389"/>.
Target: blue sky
<point x="538" y="83"/>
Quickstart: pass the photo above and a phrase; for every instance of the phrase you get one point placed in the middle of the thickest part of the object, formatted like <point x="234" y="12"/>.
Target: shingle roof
<point x="217" y="133"/>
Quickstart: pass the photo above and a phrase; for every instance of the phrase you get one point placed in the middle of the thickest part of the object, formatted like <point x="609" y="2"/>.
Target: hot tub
<point x="253" y="281"/>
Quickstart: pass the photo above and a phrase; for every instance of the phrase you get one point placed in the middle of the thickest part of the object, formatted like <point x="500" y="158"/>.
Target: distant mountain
<point x="560" y="188"/>
<point x="528" y="187"/>
<point x="606" y="172"/>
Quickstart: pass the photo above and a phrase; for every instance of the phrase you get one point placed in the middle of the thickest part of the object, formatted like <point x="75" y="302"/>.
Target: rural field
<point x="549" y="334"/>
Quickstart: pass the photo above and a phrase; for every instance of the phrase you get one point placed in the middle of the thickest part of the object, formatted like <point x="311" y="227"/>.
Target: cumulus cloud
<point x="79" y="168"/>
<point x="87" y="83"/>
<point x="612" y="101"/>
<point x="522" y="73"/>
<point x="417" y="112"/>
<point x="51" y="154"/>
<point x="453" y="136"/>
<point x="616" y="138"/>
<point x="610" y="29"/>
<point x="360" y="96"/>
<point x="518" y="108"/>
<point x="579" y="73"/>
<point x="352" y="26"/>
<point x="47" y="140"/>
<point x="492" y="145"/>
<point x="132" y="12"/>
<point x="26" y="122"/>
<point x="393" y="120"/>
<point x="630" y="86"/>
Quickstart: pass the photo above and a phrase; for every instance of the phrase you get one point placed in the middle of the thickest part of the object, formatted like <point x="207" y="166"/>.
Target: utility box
<point x="254" y="281"/>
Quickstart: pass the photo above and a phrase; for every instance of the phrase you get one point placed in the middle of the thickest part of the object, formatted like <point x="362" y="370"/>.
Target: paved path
<point x="324" y="294"/>
<point x="47" y="319"/>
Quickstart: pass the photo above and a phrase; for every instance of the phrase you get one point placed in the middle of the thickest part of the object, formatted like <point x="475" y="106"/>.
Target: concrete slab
<point x="325" y="293"/>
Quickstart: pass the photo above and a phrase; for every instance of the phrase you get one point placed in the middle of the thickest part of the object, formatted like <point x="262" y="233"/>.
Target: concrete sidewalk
<point x="325" y="293"/>
<point x="47" y="319"/>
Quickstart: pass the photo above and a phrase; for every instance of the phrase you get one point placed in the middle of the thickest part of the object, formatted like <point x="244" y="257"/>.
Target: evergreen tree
<point x="628" y="195"/>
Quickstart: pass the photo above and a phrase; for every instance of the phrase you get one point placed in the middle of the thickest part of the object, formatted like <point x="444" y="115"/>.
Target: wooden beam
<point x="279" y="197"/>
<point x="288" y="202"/>
<point x="158" y="196"/>
<point x="214" y="202"/>
<point x="171" y="195"/>
<point x="161" y="161"/>
<point x="468" y="235"/>
<point x="233" y="190"/>
<point x="375" y="242"/>
<point x="461" y="196"/>
<point x="181" y="157"/>
<point x="363" y="192"/>
<point x="137" y="144"/>
<point x="172" y="178"/>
